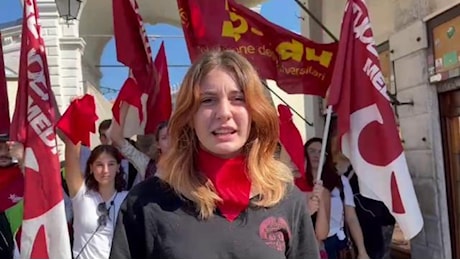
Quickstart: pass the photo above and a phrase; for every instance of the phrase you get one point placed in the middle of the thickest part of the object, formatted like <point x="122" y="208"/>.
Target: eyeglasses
<point x="103" y="212"/>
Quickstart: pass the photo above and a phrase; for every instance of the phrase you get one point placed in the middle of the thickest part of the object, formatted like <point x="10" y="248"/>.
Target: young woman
<point x="145" y="165"/>
<point x="321" y="216"/>
<point x="342" y="206"/>
<point x="96" y="198"/>
<point x="219" y="191"/>
<point x="375" y="220"/>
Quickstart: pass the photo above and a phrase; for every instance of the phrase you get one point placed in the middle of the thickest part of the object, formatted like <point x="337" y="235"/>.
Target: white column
<point x="313" y="104"/>
<point x="64" y="49"/>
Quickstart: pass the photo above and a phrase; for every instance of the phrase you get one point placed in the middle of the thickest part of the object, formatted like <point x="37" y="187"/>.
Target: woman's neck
<point x="106" y="191"/>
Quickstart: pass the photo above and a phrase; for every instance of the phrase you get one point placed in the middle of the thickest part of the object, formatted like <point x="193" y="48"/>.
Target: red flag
<point x="4" y="104"/>
<point x="79" y="120"/>
<point x="367" y="128"/>
<point x="133" y="50"/>
<point x="156" y="106"/>
<point x="132" y="43"/>
<point x="44" y="227"/>
<point x="297" y="64"/>
<point x="159" y="110"/>
<point x="11" y="187"/>
<point x="291" y="140"/>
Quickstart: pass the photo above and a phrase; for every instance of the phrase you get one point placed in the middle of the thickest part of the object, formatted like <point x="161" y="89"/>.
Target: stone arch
<point x="96" y="19"/>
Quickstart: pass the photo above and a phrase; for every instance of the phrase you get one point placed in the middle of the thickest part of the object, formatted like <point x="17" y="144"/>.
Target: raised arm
<point x="134" y="156"/>
<point x="74" y="176"/>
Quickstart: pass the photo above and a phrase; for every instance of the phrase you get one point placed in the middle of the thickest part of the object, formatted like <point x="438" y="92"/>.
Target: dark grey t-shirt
<point x="154" y="222"/>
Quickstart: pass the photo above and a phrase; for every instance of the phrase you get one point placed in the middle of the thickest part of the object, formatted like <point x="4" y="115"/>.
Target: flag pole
<point x="324" y="143"/>
<point x="394" y="100"/>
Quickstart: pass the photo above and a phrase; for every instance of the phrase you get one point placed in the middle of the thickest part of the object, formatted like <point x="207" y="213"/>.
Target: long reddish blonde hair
<point x="270" y="178"/>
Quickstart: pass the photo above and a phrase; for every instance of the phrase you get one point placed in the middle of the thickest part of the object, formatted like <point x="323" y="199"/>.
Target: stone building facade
<point x="429" y="127"/>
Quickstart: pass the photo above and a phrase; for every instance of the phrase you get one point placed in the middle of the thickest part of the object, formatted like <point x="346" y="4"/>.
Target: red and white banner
<point x="366" y="122"/>
<point x="44" y="227"/>
<point x="133" y="50"/>
<point x="146" y="110"/>
<point x="4" y="104"/>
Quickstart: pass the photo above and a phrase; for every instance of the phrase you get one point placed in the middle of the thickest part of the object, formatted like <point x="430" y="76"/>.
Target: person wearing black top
<point x="373" y="217"/>
<point x="219" y="191"/>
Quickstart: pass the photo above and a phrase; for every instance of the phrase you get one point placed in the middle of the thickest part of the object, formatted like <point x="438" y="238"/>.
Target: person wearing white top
<point x="144" y="164"/>
<point x="343" y="213"/>
<point x="85" y="151"/>
<point x="96" y="198"/>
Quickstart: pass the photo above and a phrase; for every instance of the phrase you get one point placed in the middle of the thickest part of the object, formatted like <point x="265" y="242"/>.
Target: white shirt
<point x="85" y="224"/>
<point x="137" y="158"/>
<point x="337" y="211"/>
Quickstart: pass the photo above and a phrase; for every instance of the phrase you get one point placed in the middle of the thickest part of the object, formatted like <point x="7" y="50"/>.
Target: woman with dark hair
<point x="321" y="203"/>
<point x="342" y="207"/>
<point x="96" y="198"/>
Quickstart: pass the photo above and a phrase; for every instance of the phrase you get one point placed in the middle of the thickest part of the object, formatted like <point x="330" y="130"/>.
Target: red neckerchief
<point x="230" y="179"/>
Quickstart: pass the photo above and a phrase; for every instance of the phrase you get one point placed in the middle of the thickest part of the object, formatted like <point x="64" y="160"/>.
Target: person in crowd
<point x="104" y="138"/>
<point x="218" y="192"/>
<point x="375" y="219"/>
<point x="11" y="190"/>
<point x="321" y="197"/>
<point x="96" y="197"/>
<point x="342" y="207"/>
<point x="145" y="164"/>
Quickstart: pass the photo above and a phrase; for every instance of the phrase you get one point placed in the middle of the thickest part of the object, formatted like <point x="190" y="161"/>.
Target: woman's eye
<point x="206" y="100"/>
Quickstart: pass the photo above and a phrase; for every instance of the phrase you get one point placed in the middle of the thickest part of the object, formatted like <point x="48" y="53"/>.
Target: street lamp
<point x="68" y="9"/>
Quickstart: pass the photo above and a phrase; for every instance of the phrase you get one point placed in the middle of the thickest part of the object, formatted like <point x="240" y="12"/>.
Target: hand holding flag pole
<point x="322" y="156"/>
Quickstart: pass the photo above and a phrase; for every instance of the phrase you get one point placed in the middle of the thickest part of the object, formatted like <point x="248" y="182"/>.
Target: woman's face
<point x="222" y="122"/>
<point x="163" y="140"/>
<point x="105" y="168"/>
<point x="313" y="153"/>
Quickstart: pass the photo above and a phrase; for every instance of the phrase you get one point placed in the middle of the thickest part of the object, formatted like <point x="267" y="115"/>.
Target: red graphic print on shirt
<point x="275" y="232"/>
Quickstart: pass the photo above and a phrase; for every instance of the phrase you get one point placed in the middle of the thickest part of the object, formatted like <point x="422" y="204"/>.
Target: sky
<point x="282" y="12"/>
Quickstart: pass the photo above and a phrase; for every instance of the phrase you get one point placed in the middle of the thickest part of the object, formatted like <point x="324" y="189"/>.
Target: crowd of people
<point x="211" y="185"/>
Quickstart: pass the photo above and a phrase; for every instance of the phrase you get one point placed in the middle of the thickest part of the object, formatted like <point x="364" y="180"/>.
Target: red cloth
<point x="133" y="50"/>
<point x="44" y="233"/>
<point x="132" y="44"/>
<point x="367" y="128"/>
<point x="131" y="94"/>
<point x="4" y="105"/>
<point x="79" y="120"/>
<point x="230" y="178"/>
<point x="161" y="105"/>
<point x="299" y="65"/>
<point x="291" y="140"/>
<point x="159" y="102"/>
<point x="11" y="187"/>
